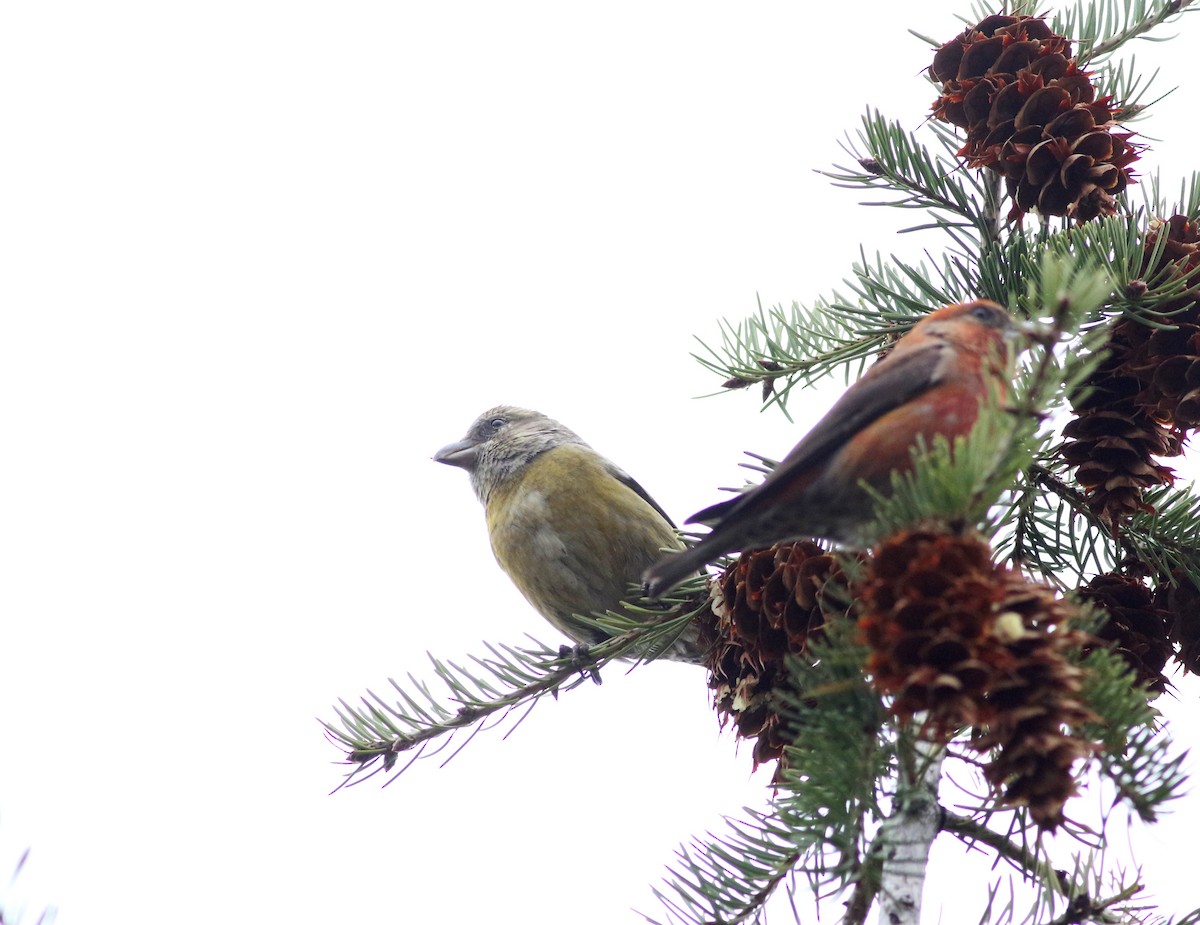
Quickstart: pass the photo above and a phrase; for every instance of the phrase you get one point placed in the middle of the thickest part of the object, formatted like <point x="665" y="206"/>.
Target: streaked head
<point x="501" y="442"/>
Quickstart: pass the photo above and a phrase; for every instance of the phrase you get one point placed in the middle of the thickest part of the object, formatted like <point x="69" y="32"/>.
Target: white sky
<point x="260" y="260"/>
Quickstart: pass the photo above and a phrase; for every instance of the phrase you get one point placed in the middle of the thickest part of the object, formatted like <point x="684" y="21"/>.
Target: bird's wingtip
<point x="710" y="515"/>
<point x="669" y="571"/>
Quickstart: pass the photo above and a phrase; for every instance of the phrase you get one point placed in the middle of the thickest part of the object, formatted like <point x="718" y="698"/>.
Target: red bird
<point x="930" y="383"/>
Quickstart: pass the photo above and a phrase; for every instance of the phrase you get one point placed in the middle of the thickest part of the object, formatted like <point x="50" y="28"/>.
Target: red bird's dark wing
<point x="894" y="381"/>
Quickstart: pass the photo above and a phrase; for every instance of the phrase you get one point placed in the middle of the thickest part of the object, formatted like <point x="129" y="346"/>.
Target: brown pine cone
<point x="1179" y="597"/>
<point x="1032" y="116"/>
<point x="929" y="607"/>
<point x="1035" y="706"/>
<point x="768" y="605"/>
<point x="1137" y="627"/>
<point x="1113" y="442"/>
<point x="969" y="643"/>
<point x="1168" y="357"/>
<point x="1143" y="400"/>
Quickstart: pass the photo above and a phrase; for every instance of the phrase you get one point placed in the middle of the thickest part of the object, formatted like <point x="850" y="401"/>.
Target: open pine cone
<point x="1036" y="707"/>
<point x="767" y="605"/>
<point x="1168" y="358"/>
<point x="1143" y="400"/>
<point x="1179" y="598"/>
<point x="961" y="641"/>
<point x="1032" y="116"/>
<point x="1114" y="442"/>
<point x="1137" y="625"/>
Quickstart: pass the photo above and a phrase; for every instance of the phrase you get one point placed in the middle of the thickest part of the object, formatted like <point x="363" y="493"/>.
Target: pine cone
<point x="1113" y="442"/>
<point x="1137" y="626"/>
<point x="1179" y="598"/>
<point x="1032" y="116"/>
<point x="768" y="604"/>
<point x="1144" y="399"/>
<point x="1035" y="705"/>
<point x="968" y="643"/>
<point x="1168" y="358"/>
<point x="929" y="609"/>
<point x="1172" y="368"/>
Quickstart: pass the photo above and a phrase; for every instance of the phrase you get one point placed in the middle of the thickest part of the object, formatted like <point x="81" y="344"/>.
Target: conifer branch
<point x="1103" y="26"/>
<point x="484" y="695"/>
<point x="1082" y="908"/>
<point x="729" y="878"/>
<point x="815" y="826"/>
<point x="1167" y="540"/>
<point x="971" y="831"/>
<point x="890" y="160"/>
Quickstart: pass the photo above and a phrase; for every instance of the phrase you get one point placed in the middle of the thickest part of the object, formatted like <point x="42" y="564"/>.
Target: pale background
<point x="261" y="259"/>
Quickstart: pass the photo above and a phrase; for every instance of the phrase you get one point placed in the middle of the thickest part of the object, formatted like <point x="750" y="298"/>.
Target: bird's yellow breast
<point x="571" y="535"/>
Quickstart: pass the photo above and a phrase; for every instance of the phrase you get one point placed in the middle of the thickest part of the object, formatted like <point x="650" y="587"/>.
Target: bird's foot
<point x="579" y="658"/>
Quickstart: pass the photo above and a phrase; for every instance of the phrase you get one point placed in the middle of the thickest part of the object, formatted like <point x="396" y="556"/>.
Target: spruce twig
<point x="971" y="831"/>
<point x="376" y="733"/>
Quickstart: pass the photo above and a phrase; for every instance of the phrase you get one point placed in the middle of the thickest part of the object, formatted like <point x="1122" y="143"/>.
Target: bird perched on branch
<point x="930" y="383"/>
<point x="573" y="531"/>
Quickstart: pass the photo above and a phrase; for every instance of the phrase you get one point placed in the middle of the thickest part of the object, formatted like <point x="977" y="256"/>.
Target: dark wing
<point x="626" y="479"/>
<point x="886" y="386"/>
<point x="714" y="512"/>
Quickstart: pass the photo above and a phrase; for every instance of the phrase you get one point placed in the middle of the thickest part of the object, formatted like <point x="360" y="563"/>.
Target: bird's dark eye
<point x="497" y="423"/>
<point x="983" y="313"/>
